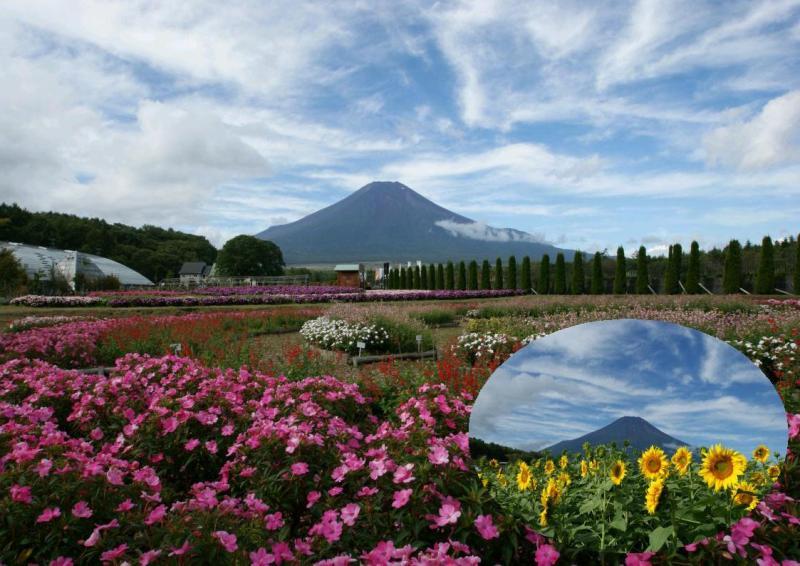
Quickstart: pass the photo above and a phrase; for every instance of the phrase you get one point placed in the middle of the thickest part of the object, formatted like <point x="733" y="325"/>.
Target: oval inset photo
<point x="628" y="435"/>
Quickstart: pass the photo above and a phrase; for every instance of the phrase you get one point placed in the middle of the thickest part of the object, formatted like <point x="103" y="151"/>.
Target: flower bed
<point x="333" y="334"/>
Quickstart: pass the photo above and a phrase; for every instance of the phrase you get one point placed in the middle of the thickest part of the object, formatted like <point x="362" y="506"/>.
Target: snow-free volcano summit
<point x="387" y="221"/>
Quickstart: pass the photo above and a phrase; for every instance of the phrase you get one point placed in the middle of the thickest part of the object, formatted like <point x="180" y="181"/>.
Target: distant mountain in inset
<point x="387" y="221"/>
<point x="640" y="433"/>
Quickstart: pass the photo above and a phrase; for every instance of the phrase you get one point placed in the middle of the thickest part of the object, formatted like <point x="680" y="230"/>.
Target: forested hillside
<point x="154" y="252"/>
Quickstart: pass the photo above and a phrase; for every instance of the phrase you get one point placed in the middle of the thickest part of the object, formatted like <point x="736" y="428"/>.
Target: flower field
<point x="250" y="451"/>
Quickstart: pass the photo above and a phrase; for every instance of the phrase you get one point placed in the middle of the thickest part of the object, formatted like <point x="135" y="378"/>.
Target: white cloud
<point x="484" y="232"/>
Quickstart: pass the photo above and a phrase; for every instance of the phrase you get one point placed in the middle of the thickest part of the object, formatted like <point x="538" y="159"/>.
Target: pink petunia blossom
<point x="148" y="557"/>
<point x="281" y="552"/>
<point x="312" y="498"/>
<point x="181" y="550"/>
<point x="794" y="425"/>
<point x="20" y="494"/>
<point x="168" y="425"/>
<point x="261" y="558"/>
<point x="48" y="515"/>
<point x="546" y="555"/>
<point x="211" y="446"/>
<point x="639" y="558"/>
<point x="274" y="521"/>
<point x="402" y="474"/>
<point x="449" y="513"/>
<point x="126" y="505"/>
<point x="156" y="515"/>
<point x="486" y="527"/>
<point x="43" y="467"/>
<point x="334" y="491"/>
<point x="299" y="468"/>
<point x="438" y="455"/>
<point x="227" y="540"/>
<point x="191" y="444"/>
<point x="114" y="553"/>
<point x="350" y="513"/>
<point x="401" y="497"/>
<point x="81" y="510"/>
<point x="61" y="561"/>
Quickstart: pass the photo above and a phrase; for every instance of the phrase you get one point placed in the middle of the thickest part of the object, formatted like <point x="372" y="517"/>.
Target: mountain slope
<point x="387" y="221"/>
<point x="638" y="431"/>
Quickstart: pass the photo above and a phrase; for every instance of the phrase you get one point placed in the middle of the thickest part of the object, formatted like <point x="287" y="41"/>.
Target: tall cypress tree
<point x="394" y="280"/>
<point x="498" y="274"/>
<point x="486" y="275"/>
<point x="669" y="273"/>
<point x="440" y="283"/>
<point x="423" y="277"/>
<point x="526" y="280"/>
<point x="472" y="282"/>
<point x="462" y="276"/>
<point x="544" y="275"/>
<point x="512" y="273"/>
<point x="732" y="272"/>
<point x="765" y="280"/>
<point x="620" y="273"/>
<point x="642" y="274"/>
<point x="415" y="274"/>
<point x="560" y="282"/>
<point x="432" y="277"/>
<point x="796" y="278"/>
<point x="677" y="261"/>
<point x="403" y="278"/>
<point x="578" y="277"/>
<point x="693" y="272"/>
<point x="597" y="274"/>
<point x="450" y="277"/>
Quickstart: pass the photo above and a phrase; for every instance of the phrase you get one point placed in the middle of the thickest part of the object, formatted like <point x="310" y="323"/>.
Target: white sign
<point x="419" y="337"/>
<point x="360" y="345"/>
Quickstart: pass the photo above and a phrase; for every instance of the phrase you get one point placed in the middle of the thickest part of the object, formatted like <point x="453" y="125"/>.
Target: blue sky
<point x="587" y="124"/>
<point x="690" y="385"/>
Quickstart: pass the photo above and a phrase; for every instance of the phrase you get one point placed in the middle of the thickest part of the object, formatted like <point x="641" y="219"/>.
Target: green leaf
<point x="658" y="537"/>
<point x="619" y="523"/>
<point x="590" y="505"/>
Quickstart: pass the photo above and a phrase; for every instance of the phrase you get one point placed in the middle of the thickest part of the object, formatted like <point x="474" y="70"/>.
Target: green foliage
<point x="450" y="279"/>
<point x="462" y="276"/>
<point x="796" y="278"/>
<point x="416" y="277"/>
<point x="154" y="252"/>
<point x="597" y="286"/>
<point x="472" y="282"/>
<point x="560" y="283"/>
<point x="403" y="278"/>
<point x="544" y="275"/>
<point x="642" y="275"/>
<point x="247" y="255"/>
<point x="12" y="275"/>
<point x="486" y="275"/>
<point x="440" y="283"/>
<point x="578" y="278"/>
<point x="435" y="317"/>
<point x="620" y="273"/>
<point x="732" y="275"/>
<point x="693" y="273"/>
<point x="498" y="274"/>
<point x="423" y="277"/>
<point x="512" y="272"/>
<point x="765" y="280"/>
<point x="526" y="281"/>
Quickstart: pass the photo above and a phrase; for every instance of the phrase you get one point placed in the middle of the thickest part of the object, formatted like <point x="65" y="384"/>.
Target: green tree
<point x="526" y="280"/>
<point x="403" y="278"/>
<point x="642" y="275"/>
<point x="597" y="285"/>
<point x="669" y="273"/>
<point x="796" y="278"/>
<point x="560" y="283"/>
<point x="544" y="275"/>
<point x="450" y="279"/>
<point x="512" y="272"/>
<point x="677" y="266"/>
<point x="620" y="273"/>
<point x="578" y="278"/>
<point x="462" y="276"/>
<point x="432" y="277"/>
<point x="440" y="283"/>
<point x="12" y="274"/>
<point x="498" y="274"/>
<point x="732" y="272"/>
<point x="765" y="279"/>
<point x="416" y="279"/>
<point x="472" y="282"/>
<point x="423" y="277"/>
<point x="486" y="275"/>
<point x="247" y="255"/>
<point x="693" y="271"/>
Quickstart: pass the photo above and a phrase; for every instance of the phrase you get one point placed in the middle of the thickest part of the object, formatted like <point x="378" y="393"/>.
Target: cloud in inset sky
<point x="688" y="384"/>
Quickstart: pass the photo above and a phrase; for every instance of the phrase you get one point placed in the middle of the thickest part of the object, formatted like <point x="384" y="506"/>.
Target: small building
<point x="349" y="274"/>
<point x="194" y="272"/>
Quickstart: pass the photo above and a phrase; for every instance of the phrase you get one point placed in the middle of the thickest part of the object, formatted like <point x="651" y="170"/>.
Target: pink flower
<point x="281" y="551"/>
<point x="227" y="540"/>
<point x="377" y="468"/>
<point x="148" y="557"/>
<point x="312" y="498"/>
<point x="400" y="498"/>
<point x="794" y="425"/>
<point x="299" y="468"/>
<point x="546" y="555"/>
<point x="43" y="467"/>
<point x="273" y="522"/>
<point x="211" y="446"/>
<point x="350" y="513"/>
<point x="639" y="558"/>
<point x="156" y="515"/>
<point x="48" y="515"/>
<point x="261" y="558"/>
<point x="81" y="510"/>
<point x="20" y="494"/>
<point x="61" y="561"/>
<point x="227" y="430"/>
<point x="168" y="425"/>
<point x="334" y="491"/>
<point x="403" y="474"/>
<point x="486" y="527"/>
<point x="114" y="553"/>
<point x="191" y="444"/>
<point x="449" y="513"/>
<point x="328" y="527"/>
<point x="181" y="550"/>
<point x="126" y="505"/>
<point x="367" y="491"/>
<point x="114" y="477"/>
<point x="438" y="455"/>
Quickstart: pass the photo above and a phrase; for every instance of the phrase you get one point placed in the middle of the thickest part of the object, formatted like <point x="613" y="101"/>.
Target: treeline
<point x="154" y="252"/>
<point x="765" y="269"/>
<point x="490" y="450"/>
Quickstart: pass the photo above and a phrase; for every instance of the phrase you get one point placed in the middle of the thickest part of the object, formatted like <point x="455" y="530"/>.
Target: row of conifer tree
<point x="552" y="279"/>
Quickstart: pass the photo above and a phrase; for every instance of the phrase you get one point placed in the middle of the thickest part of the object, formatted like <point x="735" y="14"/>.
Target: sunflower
<point x="774" y="471"/>
<point x="744" y="494"/>
<point x="618" y="472"/>
<point x="722" y="467"/>
<point x="758" y="478"/>
<point x="563" y="461"/>
<point x="543" y="518"/>
<point x="553" y="490"/>
<point x="523" y="476"/>
<point x="501" y="479"/>
<point x="653" y="495"/>
<point x="594" y="467"/>
<point x="549" y="467"/>
<point x="544" y="497"/>
<point x="584" y="468"/>
<point x="494" y="463"/>
<point x="682" y="459"/>
<point x="653" y="463"/>
<point x="564" y="479"/>
<point x="761" y="453"/>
